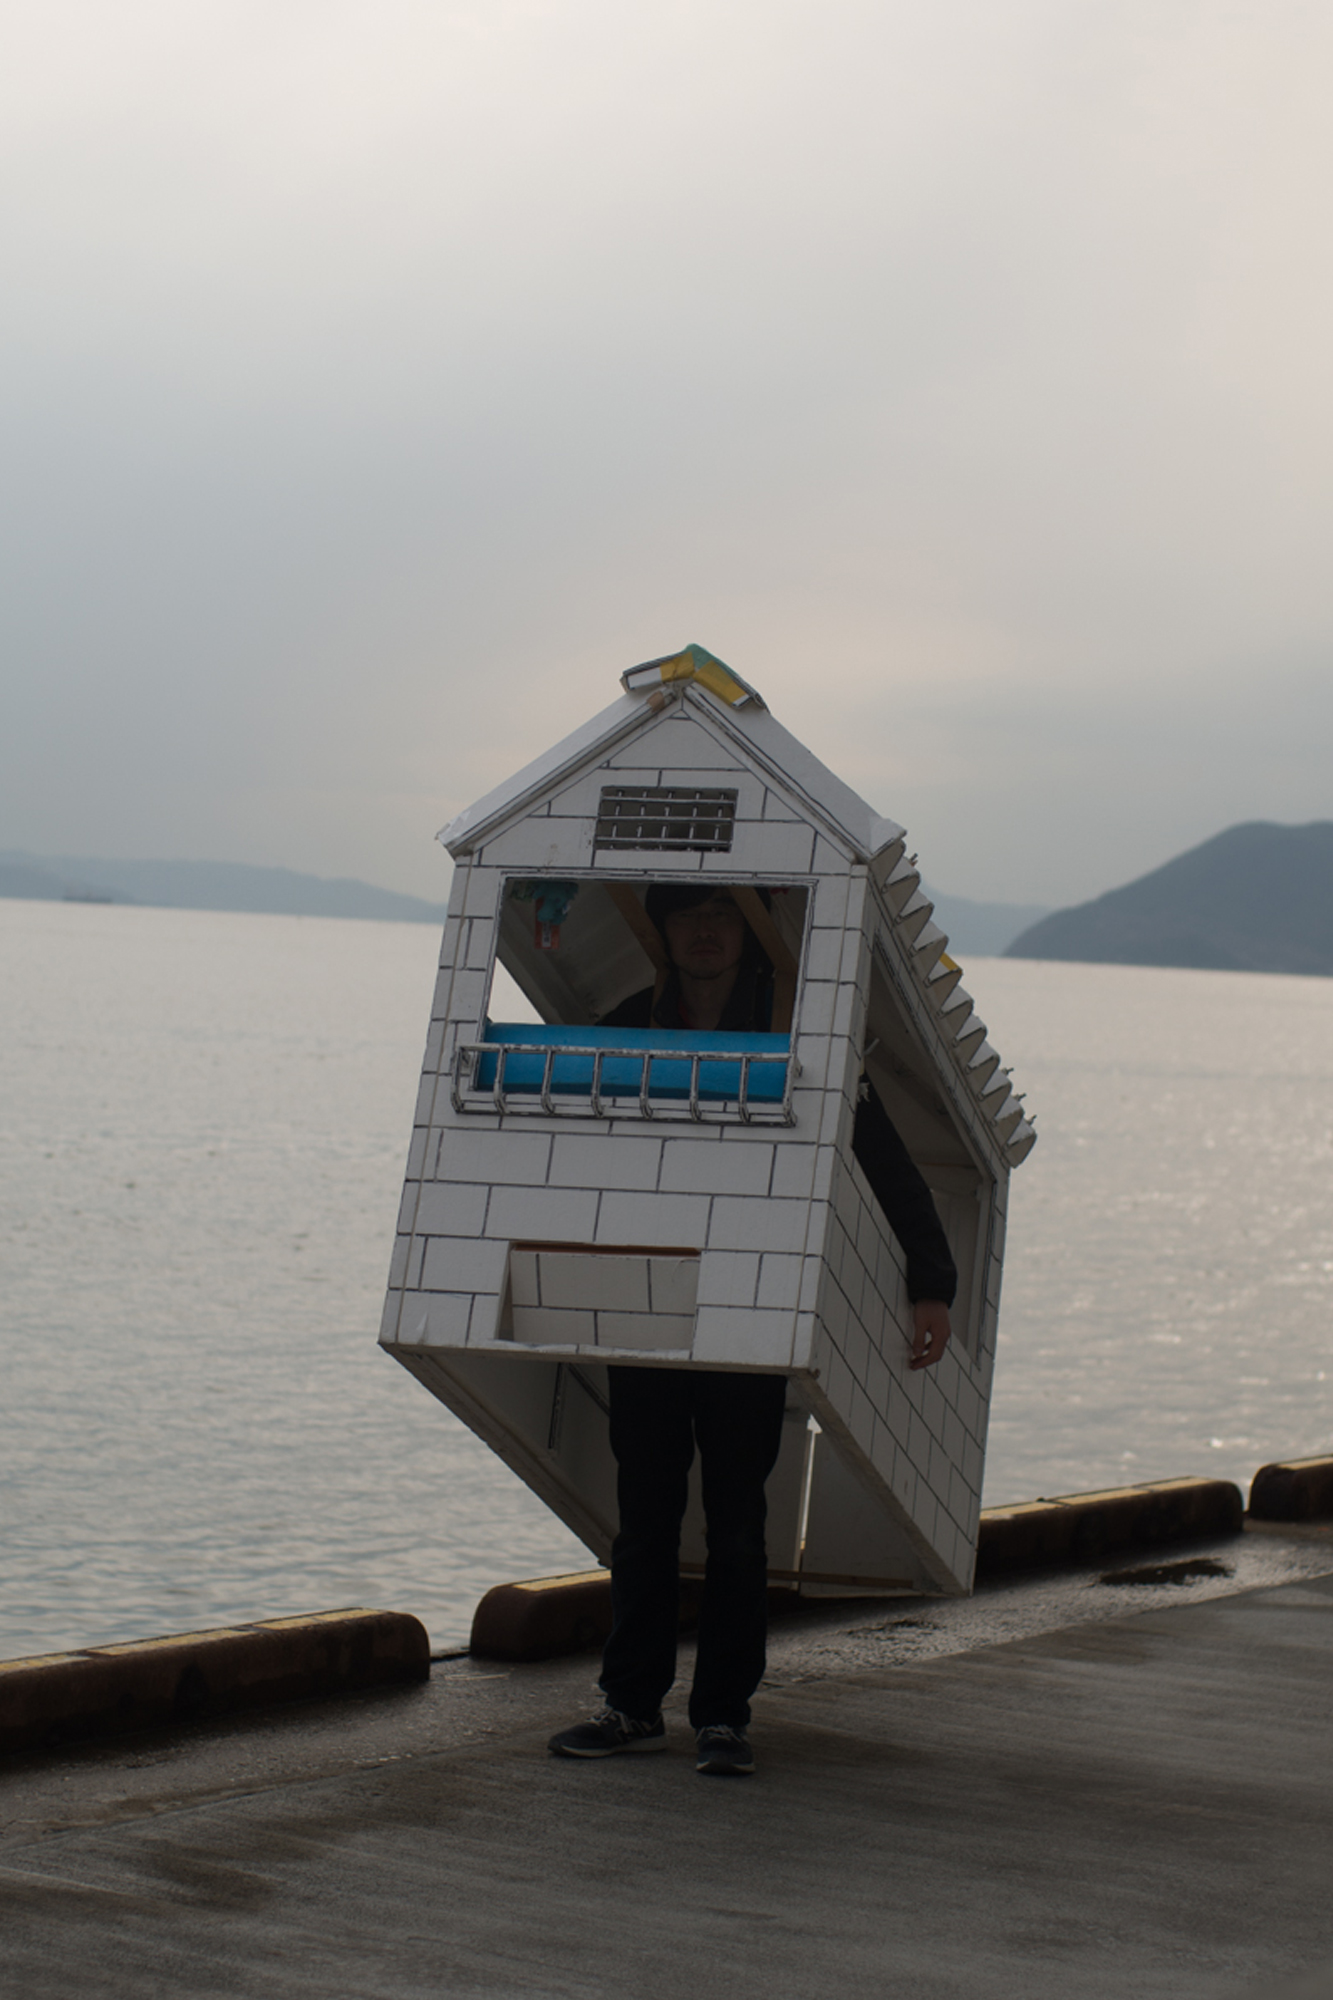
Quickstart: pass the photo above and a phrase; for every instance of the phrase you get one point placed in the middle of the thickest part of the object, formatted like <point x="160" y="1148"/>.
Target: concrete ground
<point x="1072" y="1787"/>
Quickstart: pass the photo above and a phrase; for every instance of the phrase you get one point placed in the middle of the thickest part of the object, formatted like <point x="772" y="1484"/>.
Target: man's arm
<point x="930" y="1319"/>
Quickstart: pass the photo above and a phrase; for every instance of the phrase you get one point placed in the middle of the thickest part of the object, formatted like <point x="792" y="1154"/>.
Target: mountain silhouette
<point x="1257" y="898"/>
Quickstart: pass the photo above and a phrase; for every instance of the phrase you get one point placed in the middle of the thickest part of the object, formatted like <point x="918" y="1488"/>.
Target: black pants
<point x="657" y="1414"/>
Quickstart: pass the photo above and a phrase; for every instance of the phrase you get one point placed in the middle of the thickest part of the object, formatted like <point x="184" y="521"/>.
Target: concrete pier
<point x="1066" y="1787"/>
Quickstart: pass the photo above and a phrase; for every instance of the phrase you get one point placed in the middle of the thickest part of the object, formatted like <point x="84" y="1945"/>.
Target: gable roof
<point x="734" y="712"/>
<point x="779" y="755"/>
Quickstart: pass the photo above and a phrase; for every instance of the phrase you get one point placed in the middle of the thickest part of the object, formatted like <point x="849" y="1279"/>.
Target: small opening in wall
<point x="679" y="818"/>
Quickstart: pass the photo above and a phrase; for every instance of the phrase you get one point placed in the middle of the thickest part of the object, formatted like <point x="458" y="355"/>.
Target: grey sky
<point x="379" y="380"/>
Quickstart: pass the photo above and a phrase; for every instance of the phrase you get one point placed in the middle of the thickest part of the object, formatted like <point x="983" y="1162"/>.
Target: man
<point x="721" y="978"/>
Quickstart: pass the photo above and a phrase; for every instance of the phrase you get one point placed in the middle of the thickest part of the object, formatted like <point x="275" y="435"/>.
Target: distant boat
<point x="88" y="896"/>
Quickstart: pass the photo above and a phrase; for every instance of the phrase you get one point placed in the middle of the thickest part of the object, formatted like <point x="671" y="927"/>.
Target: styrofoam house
<point x="579" y="1196"/>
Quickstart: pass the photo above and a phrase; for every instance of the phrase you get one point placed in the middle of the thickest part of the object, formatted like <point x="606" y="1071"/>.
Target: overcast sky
<point x="378" y="380"/>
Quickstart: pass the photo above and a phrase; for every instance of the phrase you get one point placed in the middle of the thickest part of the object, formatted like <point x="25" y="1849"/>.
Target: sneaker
<point x="607" y="1733"/>
<point x="724" y="1753"/>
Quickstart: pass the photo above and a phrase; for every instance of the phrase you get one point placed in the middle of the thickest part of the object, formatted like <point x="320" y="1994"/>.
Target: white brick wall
<point x="546" y="845"/>
<point x="673" y="1284"/>
<point x="646" y="1333"/>
<point x="653" y="1218"/>
<point x="779" y="1279"/>
<point x="731" y="1279"/>
<point x="445" y="1209"/>
<point x="516" y="1157"/>
<point x="692" y="1164"/>
<point x="435" y="1320"/>
<point x="775" y="848"/>
<point x="564" y="1215"/>
<point x="797" y="1168"/>
<point x="463" y="1264"/>
<point x="730" y="1337"/>
<point x="610" y="1284"/>
<point x="741" y="1222"/>
<point x="581" y="1161"/>
<point x="925" y="1422"/>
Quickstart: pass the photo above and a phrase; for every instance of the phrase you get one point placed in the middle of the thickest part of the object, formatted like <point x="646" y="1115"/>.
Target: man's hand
<point x="930" y="1319"/>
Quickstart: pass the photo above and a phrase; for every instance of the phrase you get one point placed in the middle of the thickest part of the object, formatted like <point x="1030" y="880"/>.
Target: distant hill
<point x="1257" y="898"/>
<point x="976" y="930"/>
<point x="981" y="930"/>
<point x="206" y="885"/>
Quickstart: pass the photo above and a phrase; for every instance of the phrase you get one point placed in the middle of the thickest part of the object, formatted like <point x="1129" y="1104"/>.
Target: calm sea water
<point x="204" y="1124"/>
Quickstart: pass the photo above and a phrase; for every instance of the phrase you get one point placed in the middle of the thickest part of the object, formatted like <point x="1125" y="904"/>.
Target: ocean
<point x="205" y="1118"/>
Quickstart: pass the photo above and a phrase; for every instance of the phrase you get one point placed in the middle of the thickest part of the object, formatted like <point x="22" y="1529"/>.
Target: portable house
<point x="579" y="1196"/>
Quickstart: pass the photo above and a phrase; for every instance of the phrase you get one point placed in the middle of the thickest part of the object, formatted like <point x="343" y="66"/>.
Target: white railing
<point x="611" y="1090"/>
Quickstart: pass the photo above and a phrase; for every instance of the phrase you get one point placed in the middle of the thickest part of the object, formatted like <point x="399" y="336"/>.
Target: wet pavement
<point x="1085" y="1785"/>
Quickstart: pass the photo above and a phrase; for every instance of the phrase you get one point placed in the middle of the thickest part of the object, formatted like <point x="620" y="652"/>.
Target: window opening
<point x="578" y="951"/>
<point x="901" y="1074"/>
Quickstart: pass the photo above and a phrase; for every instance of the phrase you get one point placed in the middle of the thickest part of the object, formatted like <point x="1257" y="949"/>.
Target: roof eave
<point x="756" y="732"/>
<point x="845" y="814"/>
<point x="477" y="822"/>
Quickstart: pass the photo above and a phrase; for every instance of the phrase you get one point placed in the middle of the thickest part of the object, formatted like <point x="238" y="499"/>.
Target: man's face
<point x="707" y="940"/>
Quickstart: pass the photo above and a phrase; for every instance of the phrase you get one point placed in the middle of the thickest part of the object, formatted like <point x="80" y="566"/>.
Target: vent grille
<point x="675" y="818"/>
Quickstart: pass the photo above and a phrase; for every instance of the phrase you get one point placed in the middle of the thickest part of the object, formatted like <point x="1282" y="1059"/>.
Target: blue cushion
<point x="622" y="1074"/>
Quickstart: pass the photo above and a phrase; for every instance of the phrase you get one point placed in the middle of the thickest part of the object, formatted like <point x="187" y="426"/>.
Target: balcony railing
<point x="555" y="1072"/>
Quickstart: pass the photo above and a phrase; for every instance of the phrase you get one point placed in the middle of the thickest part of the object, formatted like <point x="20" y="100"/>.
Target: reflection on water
<point x="1169" y="1281"/>
<point x="201" y="1154"/>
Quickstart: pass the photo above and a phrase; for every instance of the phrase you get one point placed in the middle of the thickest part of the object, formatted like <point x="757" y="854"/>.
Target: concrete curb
<point x="65" y="1698"/>
<point x="543" y="1617"/>
<point x="550" y="1615"/>
<point x="1079" y="1528"/>
<point x="1294" y="1489"/>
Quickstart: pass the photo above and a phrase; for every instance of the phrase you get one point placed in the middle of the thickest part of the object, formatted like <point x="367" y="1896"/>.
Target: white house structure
<point x="578" y="1196"/>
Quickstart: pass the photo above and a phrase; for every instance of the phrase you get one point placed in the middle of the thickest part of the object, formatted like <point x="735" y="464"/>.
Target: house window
<point x="571" y="952"/>
<point x="675" y="818"/>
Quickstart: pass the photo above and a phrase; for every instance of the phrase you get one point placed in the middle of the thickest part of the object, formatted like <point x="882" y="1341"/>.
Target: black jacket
<point x="895" y="1181"/>
<point x="749" y="1007"/>
<point x="908" y="1205"/>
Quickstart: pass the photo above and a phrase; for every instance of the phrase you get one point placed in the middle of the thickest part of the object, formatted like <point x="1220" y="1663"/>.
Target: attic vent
<point x="675" y="817"/>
